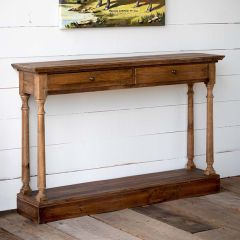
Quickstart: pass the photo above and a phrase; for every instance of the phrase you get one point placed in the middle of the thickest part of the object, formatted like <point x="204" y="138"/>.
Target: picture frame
<point x="111" y="13"/>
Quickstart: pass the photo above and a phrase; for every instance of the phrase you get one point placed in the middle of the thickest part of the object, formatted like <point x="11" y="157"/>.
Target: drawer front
<point x="90" y="80"/>
<point x="171" y="74"/>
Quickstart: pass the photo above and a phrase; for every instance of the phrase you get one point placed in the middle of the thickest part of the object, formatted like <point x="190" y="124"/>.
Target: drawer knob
<point x="92" y="79"/>
<point x="174" y="71"/>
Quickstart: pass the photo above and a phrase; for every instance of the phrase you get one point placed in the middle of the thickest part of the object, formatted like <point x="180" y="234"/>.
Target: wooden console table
<point x="60" y="77"/>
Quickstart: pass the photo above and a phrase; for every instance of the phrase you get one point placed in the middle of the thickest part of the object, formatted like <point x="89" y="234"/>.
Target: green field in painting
<point x="84" y="13"/>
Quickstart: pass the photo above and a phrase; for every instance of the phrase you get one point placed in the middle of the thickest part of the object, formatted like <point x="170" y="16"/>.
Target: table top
<point x="67" y="66"/>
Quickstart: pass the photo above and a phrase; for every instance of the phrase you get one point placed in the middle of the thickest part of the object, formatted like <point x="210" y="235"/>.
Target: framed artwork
<point x="111" y="13"/>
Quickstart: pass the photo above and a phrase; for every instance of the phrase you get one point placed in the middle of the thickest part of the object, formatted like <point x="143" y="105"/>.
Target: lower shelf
<point x="110" y="195"/>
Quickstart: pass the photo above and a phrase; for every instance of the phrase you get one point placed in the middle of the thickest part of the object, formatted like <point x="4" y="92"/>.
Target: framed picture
<point x="111" y="13"/>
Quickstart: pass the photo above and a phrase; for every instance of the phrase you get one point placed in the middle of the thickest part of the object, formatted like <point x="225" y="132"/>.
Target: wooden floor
<point x="210" y="217"/>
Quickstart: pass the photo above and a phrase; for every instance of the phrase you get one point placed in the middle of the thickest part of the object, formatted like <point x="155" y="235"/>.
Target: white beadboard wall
<point x="103" y="135"/>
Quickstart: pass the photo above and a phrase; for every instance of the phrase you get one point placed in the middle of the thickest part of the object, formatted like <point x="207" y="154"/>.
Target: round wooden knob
<point x="92" y="79"/>
<point x="174" y="71"/>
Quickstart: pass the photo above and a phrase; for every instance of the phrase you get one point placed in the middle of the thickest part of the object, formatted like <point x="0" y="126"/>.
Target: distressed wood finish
<point x="209" y="212"/>
<point x="40" y="94"/>
<point x="5" y="235"/>
<point x="111" y="195"/>
<point x="172" y="74"/>
<point x="190" y="142"/>
<point x="209" y="141"/>
<point x="25" y="137"/>
<point x="61" y="77"/>
<point x="143" y="226"/>
<point x="41" y="196"/>
<point x="25" y="145"/>
<point x="26" y="230"/>
<point x="232" y="184"/>
<point x="85" y="81"/>
<point x="68" y="66"/>
<point x="86" y="228"/>
<point x="174" y="220"/>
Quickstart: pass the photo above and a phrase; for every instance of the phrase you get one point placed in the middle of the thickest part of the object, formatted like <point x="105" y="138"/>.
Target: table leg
<point x="25" y="190"/>
<point x="209" y="141"/>
<point x="190" y="133"/>
<point x="41" y="196"/>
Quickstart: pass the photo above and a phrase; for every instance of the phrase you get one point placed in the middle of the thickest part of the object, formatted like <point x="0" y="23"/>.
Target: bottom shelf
<point x="111" y="195"/>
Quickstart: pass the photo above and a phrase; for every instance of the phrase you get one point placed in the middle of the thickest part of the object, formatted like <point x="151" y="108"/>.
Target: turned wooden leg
<point x="209" y="141"/>
<point x="41" y="196"/>
<point x="190" y="133"/>
<point x="25" y="146"/>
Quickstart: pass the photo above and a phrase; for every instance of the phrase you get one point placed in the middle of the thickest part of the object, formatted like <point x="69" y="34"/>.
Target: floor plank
<point x="143" y="227"/>
<point x="25" y="229"/>
<point x="174" y="219"/>
<point x="225" y="199"/>
<point x="231" y="184"/>
<point x="220" y="234"/>
<point x="88" y="228"/>
<point x="204" y="210"/>
<point x="5" y="235"/>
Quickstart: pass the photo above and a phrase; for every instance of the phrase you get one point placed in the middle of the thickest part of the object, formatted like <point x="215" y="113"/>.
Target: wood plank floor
<point x="210" y="217"/>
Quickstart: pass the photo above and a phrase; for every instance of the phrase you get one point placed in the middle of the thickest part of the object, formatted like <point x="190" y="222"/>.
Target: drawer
<point x="171" y="74"/>
<point x="90" y="80"/>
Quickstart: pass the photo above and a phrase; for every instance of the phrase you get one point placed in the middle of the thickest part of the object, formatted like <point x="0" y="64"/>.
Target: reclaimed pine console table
<point x="61" y="77"/>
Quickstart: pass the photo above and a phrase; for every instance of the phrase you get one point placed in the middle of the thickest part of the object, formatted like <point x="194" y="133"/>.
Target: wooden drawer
<point x="90" y="80"/>
<point x="171" y="74"/>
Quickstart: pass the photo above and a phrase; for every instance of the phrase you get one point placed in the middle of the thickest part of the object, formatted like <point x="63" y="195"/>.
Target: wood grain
<point x="231" y="184"/>
<point x="174" y="73"/>
<point x="103" y="63"/>
<point x="143" y="227"/>
<point x="190" y="129"/>
<point x="227" y="200"/>
<point x="159" y="221"/>
<point x="61" y="77"/>
<point x="110" y="195"/>
<point x="90" y="228"/>
<point x="90" y="81"/>
<point x="174" y="219"/>
<point x="219" y="234"/>
<point x="209" y="138"/>
<point x="214" y="214"/>
<point x="25" y="146"/>
<point x="25" y="229"/>
<point x="41" y="196"/>
<point x="5" y="235"/>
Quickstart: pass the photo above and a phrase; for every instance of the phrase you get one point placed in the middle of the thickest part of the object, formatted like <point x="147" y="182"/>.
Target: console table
<point x="61" y="77"/>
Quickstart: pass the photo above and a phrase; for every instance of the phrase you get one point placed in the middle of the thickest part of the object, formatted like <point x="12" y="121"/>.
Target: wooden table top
<point x="103" y="63"/>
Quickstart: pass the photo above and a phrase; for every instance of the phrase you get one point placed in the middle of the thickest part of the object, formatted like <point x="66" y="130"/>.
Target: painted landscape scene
<point x="111" y="13"/>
